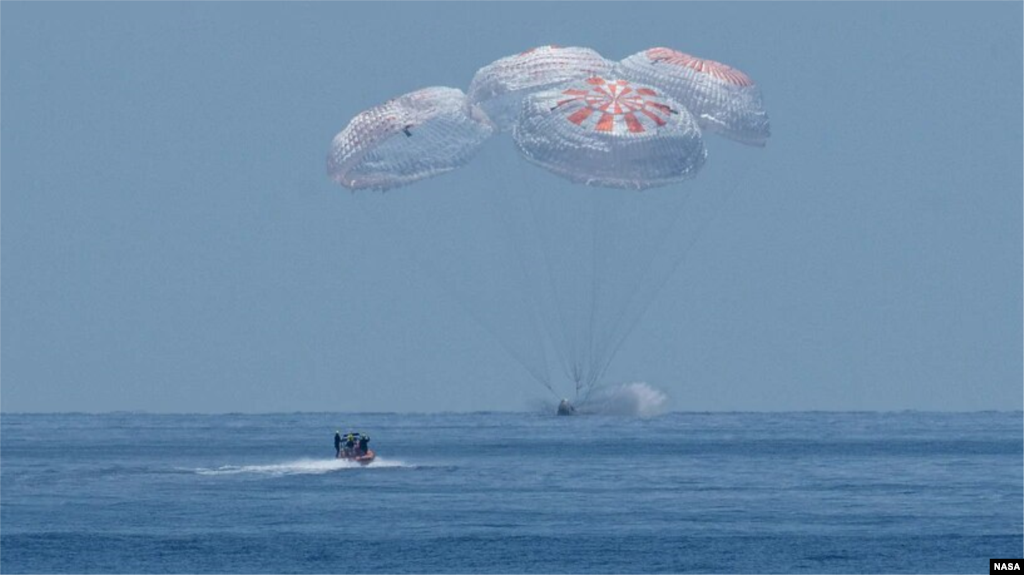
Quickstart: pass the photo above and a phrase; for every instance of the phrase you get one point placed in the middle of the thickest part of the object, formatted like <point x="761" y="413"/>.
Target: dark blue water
<point x="745" y="492"/>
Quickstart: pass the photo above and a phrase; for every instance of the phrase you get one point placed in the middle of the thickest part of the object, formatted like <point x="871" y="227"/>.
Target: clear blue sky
<point x="170" y="241"/>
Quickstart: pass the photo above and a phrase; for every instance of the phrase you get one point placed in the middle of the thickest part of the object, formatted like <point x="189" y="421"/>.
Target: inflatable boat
<point x="364" y="459"/>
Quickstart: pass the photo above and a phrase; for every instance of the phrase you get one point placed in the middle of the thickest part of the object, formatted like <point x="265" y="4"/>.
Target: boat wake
<point x="302" y="467"/>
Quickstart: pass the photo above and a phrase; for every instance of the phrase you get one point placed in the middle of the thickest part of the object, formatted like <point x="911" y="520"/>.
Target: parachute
<point x="499" y="87"/>
<point x="610" y="133"/>
<point x="412" y="137"/>
<point x="723" y="99"/>
<point x="586" y="260"/>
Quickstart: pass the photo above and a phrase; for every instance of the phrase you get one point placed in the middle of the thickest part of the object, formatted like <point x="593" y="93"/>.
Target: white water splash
<point x="300" y="467"/>
<point x="637" y="399"/>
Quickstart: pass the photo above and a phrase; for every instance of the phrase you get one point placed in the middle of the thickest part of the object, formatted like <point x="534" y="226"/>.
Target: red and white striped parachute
<point x="415" y="136"/>
<point x="723" y="99"/>
<point x="610" y="133"/>
<point x="499" y="87"/>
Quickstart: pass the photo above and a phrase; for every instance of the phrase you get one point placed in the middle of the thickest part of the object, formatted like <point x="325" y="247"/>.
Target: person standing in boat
<point x="364" y="441"/>
<point x="337" y="444"/>
<point x="350" y="443"/>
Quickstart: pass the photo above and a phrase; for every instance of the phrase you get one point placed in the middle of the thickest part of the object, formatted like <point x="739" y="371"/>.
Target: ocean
<point x="821" y="492"/>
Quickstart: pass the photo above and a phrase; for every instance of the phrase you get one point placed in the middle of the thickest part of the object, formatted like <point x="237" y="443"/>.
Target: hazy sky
<point x="170" y="241"/>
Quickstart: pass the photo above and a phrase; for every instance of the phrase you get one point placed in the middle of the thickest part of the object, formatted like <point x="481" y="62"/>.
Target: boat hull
<point x="364" y="459"/>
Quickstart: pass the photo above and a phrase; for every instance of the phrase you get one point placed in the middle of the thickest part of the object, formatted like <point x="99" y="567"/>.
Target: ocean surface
<point x="814" y="492"/>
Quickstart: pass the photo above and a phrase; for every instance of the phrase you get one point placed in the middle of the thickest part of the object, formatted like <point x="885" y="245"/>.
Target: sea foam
<point x="637" y="399"/>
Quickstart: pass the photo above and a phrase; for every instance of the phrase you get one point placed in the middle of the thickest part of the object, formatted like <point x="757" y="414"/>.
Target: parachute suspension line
<point x="624" y="207"/>
<point x="519" y="246"/>
<point x="622" y="314"/>
<point x="676" y="262"/>
<point x="595" y="275"/>
<point x="587" y="327"/>
<point x="450" y="291"/>
<point x="579" y="298"/>
<point x="564" y="352"/>
<point x="599" y="227"/>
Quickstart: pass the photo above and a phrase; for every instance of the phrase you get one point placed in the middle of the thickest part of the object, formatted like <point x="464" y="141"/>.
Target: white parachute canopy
<point x="723" y="99"/>
<point x="415" y="136"/>
<point x="610" y="133"/>
<point x="500" y="86"/>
